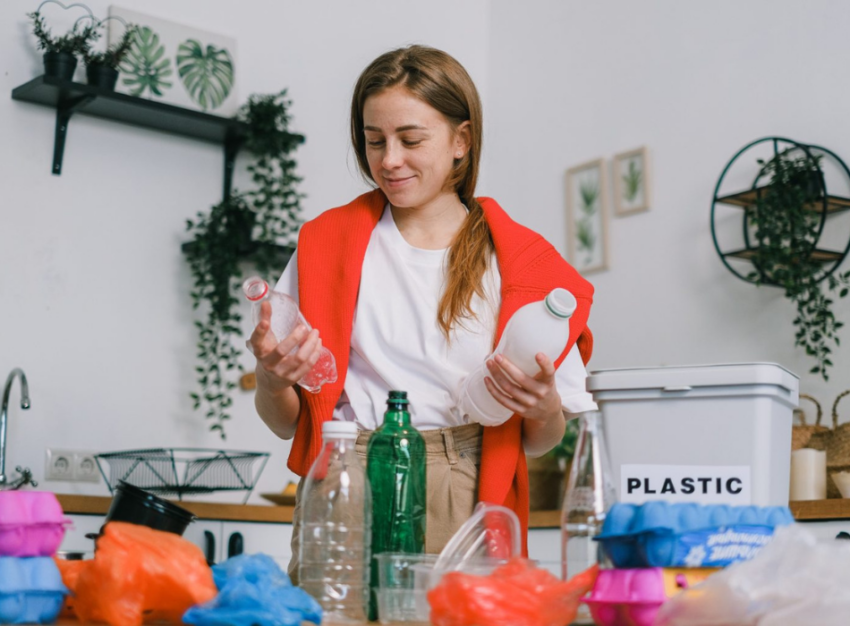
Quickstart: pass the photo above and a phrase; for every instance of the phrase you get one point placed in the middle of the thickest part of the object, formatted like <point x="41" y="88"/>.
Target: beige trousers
<point x="453" y="458"/>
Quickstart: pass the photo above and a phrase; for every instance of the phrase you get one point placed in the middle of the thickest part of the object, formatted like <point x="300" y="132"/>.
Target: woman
<point x="410" y="286"/>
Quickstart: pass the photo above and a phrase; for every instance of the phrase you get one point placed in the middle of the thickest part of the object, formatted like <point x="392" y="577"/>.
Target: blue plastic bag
<point x="252" y="589"/>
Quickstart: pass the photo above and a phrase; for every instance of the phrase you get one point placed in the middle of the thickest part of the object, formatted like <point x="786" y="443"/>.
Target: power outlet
<point x="85" y="467"/>
<point x="70" y="466"/>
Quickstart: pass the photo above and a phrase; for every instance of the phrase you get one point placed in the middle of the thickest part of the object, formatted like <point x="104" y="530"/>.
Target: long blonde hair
<point x="439" y="80"/>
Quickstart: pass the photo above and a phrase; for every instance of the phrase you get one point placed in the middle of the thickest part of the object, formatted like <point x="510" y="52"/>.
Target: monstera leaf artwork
<point x="207" y="73"/>
<point x="146" y="67"/>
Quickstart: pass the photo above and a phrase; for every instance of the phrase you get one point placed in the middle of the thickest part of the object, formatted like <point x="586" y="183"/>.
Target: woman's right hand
<point x="275" y="366"/>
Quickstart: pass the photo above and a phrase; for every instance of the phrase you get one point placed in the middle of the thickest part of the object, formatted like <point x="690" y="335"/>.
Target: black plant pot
<point x="137" y="506"/>
<point x="60" y="65"/>
<point x="102" y="75"/>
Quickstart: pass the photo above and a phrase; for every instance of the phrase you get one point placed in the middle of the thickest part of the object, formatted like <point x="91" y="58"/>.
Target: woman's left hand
<point x="532" y="397"/>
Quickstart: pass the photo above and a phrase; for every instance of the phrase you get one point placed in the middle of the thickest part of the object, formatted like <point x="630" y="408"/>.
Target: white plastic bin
<point x="713" y="434"/>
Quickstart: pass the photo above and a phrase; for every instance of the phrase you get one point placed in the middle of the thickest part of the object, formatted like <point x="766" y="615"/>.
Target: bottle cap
<point x="339" y="428"/>
<point x="398" y="397"/>
<point x="560" y="303"/>
<point x="255" y="288"/>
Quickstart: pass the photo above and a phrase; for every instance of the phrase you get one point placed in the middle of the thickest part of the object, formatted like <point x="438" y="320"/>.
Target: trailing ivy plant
<point x="249" y="223"/>
<point x="114" y="54"/>
<point x="75" y="41"/>
<point x="786" y="223"/>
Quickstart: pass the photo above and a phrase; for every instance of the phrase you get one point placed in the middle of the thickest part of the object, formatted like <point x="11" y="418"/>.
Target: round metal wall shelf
<point x="745" y="200"/>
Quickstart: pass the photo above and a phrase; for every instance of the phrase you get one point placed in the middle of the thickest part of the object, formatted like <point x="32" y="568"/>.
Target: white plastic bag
<point x="794" y="581"/>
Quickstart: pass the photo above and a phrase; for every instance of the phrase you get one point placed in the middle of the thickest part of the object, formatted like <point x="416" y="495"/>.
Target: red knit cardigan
<point x="331" y="249"/>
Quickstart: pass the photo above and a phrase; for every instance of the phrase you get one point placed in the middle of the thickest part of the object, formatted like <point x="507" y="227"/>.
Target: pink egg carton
<point x="632" y="597"/>
<point x="31" y="523"/>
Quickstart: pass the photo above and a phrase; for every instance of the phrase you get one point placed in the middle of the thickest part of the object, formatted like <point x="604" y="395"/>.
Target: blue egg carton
<point x="659" y="534"/>
<point x="31" y="590"/>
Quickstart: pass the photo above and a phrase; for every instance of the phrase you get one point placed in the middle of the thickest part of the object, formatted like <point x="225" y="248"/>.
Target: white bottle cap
<point x="561" y="303"/>
<point x="339" y="428"/>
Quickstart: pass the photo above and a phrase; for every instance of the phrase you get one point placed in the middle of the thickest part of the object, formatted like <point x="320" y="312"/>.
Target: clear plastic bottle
<point x="285" y="317"/>
<point x="590" y="493"/>
<point x="542" y="326"/>
<point x="336" y="513"/>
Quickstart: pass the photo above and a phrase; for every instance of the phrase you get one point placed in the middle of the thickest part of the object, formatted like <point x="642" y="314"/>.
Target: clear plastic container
<point x="285" y="318"/>
<point x="336" y="528"/>
<point x="542" y="326"/>
<point x="590" y="494"/>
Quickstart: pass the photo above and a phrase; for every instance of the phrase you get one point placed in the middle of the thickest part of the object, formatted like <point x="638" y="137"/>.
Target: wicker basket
<point x="836" y="443"/>
<point x="801" y="434"/>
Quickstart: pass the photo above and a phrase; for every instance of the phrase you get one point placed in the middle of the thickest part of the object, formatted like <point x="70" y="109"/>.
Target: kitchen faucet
<point x="26" y="474"/>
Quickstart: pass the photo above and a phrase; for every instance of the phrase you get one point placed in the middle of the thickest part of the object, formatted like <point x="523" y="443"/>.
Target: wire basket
<point x="182" y="471"/>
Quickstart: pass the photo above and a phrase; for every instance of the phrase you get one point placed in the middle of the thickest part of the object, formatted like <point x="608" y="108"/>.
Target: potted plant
<point x="250" y="224"/>
<point x="60" y="53"/>
<point x="547" y="475"/>
<point x="102" y="66"/>
<point x="786" y="224"/>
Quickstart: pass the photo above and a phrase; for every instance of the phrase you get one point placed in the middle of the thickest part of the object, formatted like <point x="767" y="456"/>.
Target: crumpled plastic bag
<point x="141" y="575"/>
<point x="793" y="581"/>
<point x="254" y="590"/>
<point x="516" y="593"/>
<point x="70" y="571"/>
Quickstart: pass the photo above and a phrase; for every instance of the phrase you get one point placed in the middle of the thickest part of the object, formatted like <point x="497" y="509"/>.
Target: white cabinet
<point x="544" y="546"/>
<point x="217" y="539"/>
<point x="255" y="537"/>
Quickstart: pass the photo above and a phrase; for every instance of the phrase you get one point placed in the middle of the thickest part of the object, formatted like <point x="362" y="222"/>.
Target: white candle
<point x="808" y="474"/>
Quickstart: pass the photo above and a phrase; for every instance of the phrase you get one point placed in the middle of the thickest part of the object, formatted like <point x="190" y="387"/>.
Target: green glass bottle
<point x="395" y="467"/>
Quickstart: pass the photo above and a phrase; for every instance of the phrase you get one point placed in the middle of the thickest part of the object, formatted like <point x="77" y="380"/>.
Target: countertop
<point x="99" y="505"/>
<point x="814" y="510"/>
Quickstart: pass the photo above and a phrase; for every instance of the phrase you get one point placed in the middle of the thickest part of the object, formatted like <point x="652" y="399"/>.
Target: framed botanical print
<point x="631" y="181"/>
<point x="587" y="219"/>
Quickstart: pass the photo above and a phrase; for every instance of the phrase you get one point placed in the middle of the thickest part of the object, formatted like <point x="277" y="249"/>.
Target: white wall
<point x="94" y="298"/>
<point x="574" y="81"/>
<point x="94" y="291"/>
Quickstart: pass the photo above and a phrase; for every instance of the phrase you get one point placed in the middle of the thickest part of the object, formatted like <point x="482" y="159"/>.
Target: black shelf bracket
<point x="232" y="144"/>
<point x="64" y="110"/>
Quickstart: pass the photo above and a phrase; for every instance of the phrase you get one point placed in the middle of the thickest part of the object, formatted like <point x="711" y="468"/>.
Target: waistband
<point x="439" y="441"/>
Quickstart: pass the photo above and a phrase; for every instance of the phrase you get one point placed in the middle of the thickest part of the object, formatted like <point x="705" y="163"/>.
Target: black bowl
<point x="137" y="506"/>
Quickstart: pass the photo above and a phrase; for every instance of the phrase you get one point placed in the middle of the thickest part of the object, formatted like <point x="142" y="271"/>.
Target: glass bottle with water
<point x="285" y="317"/>
<point x="335" y="534"/>
<point x="590" y="493"/>
<point x="542" y="326"/>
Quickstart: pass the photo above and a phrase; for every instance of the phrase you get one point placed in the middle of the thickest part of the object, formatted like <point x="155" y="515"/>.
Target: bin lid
<point x="681" y="377"/>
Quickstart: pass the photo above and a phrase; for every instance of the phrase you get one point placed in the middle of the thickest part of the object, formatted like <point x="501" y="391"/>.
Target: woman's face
<point x="410" y="147"/>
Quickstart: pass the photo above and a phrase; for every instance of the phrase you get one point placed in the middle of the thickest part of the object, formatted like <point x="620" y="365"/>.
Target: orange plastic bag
<point x="70" y="571"/>
<point x="517" y="593"/>
<point x="141" y="575"/>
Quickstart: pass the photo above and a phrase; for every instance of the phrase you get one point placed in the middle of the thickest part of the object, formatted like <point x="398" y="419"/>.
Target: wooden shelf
<point x="811" y="510"/>
<point x="133" y="110"/>
<point x="822" y="256"/>
<point x="747" y="199"/>
<point x="68" y="97"/>
<point x="283" y="253"/>
<point x="99" y="505"/>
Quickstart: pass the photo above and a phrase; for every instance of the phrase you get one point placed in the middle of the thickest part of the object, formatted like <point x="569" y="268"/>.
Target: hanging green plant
<point x="786" y="224"/>
<point x="246" y="225"/>
<point x="113" y="55"/>
<point x="75" y="41"/>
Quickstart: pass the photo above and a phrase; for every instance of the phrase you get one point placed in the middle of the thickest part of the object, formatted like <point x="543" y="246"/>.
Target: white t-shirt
<point x="397" y="344"/>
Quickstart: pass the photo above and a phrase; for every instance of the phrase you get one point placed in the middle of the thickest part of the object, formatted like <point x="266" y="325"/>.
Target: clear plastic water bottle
<point x="285" y="317"/>
<point x="542" y="326"/>
<point x="590" y="493"/>
<point x="336" y="514"/>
